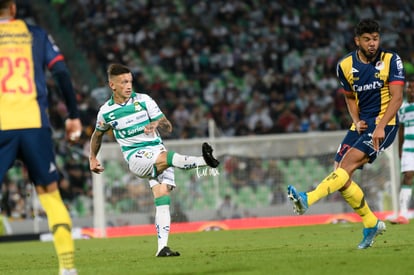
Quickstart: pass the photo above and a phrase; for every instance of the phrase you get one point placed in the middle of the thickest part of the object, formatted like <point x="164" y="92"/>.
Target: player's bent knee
<point x="161" y="189"/>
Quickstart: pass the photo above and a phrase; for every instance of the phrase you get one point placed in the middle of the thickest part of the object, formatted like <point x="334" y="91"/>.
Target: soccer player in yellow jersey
<point x="25" y="132"/>
<point x="372" y="79"/>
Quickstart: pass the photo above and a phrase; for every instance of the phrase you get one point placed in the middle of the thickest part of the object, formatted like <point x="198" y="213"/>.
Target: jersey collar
<point x="112" y="101"/>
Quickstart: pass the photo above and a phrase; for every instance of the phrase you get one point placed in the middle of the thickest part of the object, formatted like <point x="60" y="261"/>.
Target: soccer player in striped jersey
<point x="136" y="120"/>
<point x="373" y="80"/>
<point x="406" y="150"/>
<point x="25" y="131"/>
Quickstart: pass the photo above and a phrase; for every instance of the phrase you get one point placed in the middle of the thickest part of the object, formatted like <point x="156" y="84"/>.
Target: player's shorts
<point x="142" y="164"/>
<point x="407" y="161"/>
<point x="167" y="177"/>
<point x="34" y="147"/>
<point x="363" y="142"/>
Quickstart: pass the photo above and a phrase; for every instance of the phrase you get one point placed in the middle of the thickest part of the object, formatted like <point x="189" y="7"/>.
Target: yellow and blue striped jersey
<point x="25" y="52"/>
<point x="370" y="82"/>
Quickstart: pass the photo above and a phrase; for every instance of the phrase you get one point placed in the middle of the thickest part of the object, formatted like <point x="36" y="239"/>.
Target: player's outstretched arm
<point x="95" y="144"/>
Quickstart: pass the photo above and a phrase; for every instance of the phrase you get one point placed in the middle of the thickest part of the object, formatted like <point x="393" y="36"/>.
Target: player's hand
<point x="73" y="129"/>
<point x="150" y="128"/>
<point x="378" y="137"/>
<point x="95" y="166"/>
<point x="361" y="126"/>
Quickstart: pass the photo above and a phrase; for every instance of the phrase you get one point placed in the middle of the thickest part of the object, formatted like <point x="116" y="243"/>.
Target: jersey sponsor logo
<point x="354" y="70"/>
<point x="370" y="86"/>
<point x="135" y="130"/>
<point x="140" y="117"/>
<point x="131" y="132"/>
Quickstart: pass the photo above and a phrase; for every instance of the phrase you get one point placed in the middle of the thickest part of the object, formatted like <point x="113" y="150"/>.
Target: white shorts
<point x="407" y="161"/>
<point x="166" y="177"/>
<point x="142" y="164"/>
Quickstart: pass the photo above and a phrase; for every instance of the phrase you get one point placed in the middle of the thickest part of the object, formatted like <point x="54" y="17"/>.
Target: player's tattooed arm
<point x="163" y="125"/>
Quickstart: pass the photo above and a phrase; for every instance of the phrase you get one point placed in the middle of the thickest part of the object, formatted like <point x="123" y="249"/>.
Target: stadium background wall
<point x="273" y="161"/>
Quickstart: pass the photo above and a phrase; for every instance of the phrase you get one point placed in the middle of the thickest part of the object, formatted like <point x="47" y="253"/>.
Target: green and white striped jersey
<point x="128" y="121"/>
<point x="406" y="115"/>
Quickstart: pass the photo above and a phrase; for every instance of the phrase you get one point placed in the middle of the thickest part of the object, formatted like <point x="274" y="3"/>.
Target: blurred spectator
<point x="237" y="172"/>
<point x="227" y="209"/>
<point x="257" y="175"/>
<point x="194" y="190"/>
<point x="240" y="63"/>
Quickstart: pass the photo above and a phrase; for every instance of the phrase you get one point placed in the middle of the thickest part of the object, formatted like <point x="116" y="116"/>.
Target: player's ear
<point x="111" y="85"/>
<point x="356" y="40"/>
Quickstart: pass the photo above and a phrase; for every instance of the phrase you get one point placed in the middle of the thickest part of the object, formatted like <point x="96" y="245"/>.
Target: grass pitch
<point x="320" y="249"/>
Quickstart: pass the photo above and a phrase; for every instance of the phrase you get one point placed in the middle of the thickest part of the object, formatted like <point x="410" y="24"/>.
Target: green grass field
<point x="321" y="249"/>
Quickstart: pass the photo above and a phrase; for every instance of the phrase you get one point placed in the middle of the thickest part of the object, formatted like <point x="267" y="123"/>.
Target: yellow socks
<point x="354" y="196"/>
<point x="60" y="225"/>
<point x="333" y="182"/>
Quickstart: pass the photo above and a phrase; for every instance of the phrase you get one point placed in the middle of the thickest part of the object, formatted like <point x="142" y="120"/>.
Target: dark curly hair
<point x="367" y="26"/>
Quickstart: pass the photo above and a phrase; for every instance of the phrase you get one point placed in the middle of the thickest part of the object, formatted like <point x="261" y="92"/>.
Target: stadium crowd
<point x="254" y="66"/>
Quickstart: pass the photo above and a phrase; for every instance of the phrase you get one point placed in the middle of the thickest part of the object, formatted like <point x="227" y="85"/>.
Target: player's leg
<point x="38" y="155"/>
<point x="173" y="159"/>
<point x="407" y="169"/>
<point x="333" y="182"/>
<point x="143" y="164"/>
<point x="9" y="144"/>
<point x="151" y="162"/>
<point x="60" y="225"/>
<point x="161" y="188"/>
<point x="355" y="196"/>
<point x="406" y="192"/>
<point x="348" y="158"/>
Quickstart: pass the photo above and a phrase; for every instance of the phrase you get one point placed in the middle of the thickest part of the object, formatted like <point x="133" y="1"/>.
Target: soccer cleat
<point x="68" y="272"/>
<point x="167" y="252"/>
<point x="208" y="156"/>
<point x="299" y="199"/>
<point x="400" y="220"/>
<point x="371" y="233"/>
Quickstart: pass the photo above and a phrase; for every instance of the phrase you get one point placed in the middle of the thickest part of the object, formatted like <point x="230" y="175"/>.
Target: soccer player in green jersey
<point x="406" y="150"/>
<point x="135" y="119"/>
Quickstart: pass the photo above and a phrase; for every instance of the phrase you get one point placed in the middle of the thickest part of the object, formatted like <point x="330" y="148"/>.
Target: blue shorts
<point x="363" y="142"/>
<point x="35" y="148"/>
